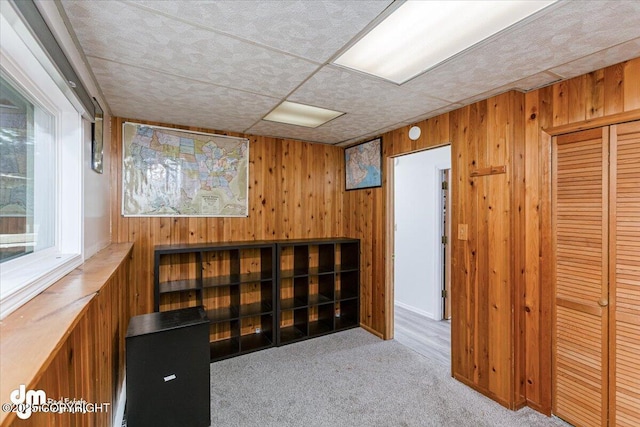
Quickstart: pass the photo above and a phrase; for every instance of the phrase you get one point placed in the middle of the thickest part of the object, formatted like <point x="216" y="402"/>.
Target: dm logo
<point x="26" y="400"/>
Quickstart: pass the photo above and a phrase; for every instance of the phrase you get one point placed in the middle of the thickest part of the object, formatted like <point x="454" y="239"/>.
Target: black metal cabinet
<point x="167" y="360"/>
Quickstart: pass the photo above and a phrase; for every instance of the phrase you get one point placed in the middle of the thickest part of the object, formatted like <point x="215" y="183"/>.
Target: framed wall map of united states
<point x="172" y="172"/>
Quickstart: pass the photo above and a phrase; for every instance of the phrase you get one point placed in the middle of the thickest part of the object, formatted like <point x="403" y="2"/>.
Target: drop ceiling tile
<point x="535" y="81"/>
<point x="598" y="60"/>
<point x="456" y="80"/>
<point x="351" y="92"/>
<point x="324" y="134"/>
<point x="148" y="95"/>
<point x="337" y="130"/>
<point x="339" y="89"/>
<point x="349" y="142"/>
<point x="576" y="29"/>
<point x="568" y="31"/>
<point x="127" y="34"/>
<point x="310" y="29"/>
<point x="278" y="130"/>
<point x="433" y="113"/>
<point x="371" y="135"/>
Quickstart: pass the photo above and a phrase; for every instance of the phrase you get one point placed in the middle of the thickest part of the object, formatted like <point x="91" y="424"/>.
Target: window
<point x="27" y="161"/>
<point x="40" y="169"/>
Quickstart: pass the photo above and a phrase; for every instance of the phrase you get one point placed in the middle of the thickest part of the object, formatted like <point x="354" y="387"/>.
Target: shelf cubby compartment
<point x="234" y="279"/>
<point x="321" y="319"/>
<point x="221" y="302"/>
<point x="256" y="264"/>
<point x="349" y="256"/>
<point x="293" y="260"/>
<point x="325" y="262"/>
<point x="285" y="260"/>
<point x="180" y="285"/>
<point x="222" y="314"/>
<point x="177" y="273"/>
<point x="294" y="325"/>
<point x="256" y="298"/>
<point x="178" y="300"/>
<point x="224" y="339"/>
<point x="220" y="267"/>
<point x="178" y="266"/>
<point x="348" y="285"/>
<point x="294" y="292"/>
<point x="321" y="289"/>
<point x="346" y="314"/>
<point x="256" y="332"/>
<point x="301" y="260"/>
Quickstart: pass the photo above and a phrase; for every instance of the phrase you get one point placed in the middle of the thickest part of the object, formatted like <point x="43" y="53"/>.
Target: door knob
<point x="602" y="302"/>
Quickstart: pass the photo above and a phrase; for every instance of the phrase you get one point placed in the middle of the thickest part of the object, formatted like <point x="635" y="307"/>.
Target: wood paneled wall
<point x="484" y="279"/>
<point x="603" y="95"/>
<point x="481" y="132"/>
<point x="485" y="267"/>
<point x="295" y="191"/>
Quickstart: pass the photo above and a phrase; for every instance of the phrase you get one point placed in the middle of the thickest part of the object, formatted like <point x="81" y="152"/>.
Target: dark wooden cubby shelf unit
<point x="318" y="287"/>
<point x="260" y="294"/>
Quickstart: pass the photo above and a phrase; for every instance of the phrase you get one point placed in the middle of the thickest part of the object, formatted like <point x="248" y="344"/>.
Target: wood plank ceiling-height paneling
<point x="295" y="192"/>
<point x="487" y="259"/>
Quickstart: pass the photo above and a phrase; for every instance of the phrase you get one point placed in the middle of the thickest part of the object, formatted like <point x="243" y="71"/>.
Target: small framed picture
<point x="363" y="165"/>
<point x="97" y="144"/>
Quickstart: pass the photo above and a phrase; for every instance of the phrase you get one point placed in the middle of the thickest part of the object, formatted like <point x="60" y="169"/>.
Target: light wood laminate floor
<point x="431" y="338"/>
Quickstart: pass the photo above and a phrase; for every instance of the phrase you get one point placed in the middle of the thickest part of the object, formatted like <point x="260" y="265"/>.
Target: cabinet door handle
<point x="602" y="302"/>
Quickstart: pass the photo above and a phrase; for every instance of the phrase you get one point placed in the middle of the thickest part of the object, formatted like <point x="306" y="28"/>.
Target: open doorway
<point x="421" y="261"/>
<point x="445" y="197"/>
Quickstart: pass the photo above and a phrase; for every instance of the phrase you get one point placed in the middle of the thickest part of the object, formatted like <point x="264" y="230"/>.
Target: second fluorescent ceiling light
<point x="293" y="113"/>
<point x="421" y="34"/>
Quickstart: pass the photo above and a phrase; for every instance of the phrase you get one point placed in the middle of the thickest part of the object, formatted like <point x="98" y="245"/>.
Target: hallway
<point x="429" y="337"/>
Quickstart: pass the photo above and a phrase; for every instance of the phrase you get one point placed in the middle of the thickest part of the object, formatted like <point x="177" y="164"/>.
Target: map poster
<point x="172" y="172"/>
<point x="363" y="165"/>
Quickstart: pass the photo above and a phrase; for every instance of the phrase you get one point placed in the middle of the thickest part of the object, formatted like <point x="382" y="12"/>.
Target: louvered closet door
<point x="625" y="275"/>
<point x="580" y="206"/>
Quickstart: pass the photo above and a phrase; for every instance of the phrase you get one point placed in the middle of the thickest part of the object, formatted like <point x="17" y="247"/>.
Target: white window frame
<point x="25" y="277"/>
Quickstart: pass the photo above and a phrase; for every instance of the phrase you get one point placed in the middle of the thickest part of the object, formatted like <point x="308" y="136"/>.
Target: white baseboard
<point x="122" y="400"/>
<point x="415" y="310"/>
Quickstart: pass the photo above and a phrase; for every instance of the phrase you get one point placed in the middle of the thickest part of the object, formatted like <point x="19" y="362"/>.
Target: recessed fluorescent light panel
<point x="293" y="113"/>
<point x="421" y="34"/>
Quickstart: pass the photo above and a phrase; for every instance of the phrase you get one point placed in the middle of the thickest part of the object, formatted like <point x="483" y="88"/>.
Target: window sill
<point x="40" y="272"/>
